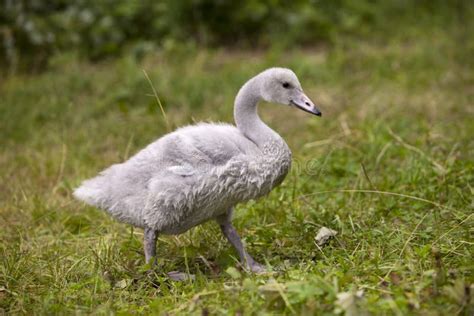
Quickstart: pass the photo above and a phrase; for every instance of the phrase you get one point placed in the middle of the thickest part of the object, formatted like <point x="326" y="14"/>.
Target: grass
<point x="389" y="167"/>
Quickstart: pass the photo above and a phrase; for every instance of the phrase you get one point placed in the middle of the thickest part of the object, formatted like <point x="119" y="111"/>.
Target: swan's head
<point x="280" y="85"/>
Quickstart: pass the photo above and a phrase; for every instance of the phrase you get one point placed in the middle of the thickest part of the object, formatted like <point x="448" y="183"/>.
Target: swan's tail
<point x="91" y="192"/>
<point x="113" y="194"/>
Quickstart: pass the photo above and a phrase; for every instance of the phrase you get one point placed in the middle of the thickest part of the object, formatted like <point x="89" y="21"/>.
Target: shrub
<point x="32" y="30"/>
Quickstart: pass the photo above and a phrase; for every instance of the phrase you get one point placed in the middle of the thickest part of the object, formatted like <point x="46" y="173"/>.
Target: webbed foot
<point x="180" y="276"/>
<point x="257" y="268"/>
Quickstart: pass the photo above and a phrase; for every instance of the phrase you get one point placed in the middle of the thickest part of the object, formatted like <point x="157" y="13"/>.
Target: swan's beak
<point x="304" y="103"/>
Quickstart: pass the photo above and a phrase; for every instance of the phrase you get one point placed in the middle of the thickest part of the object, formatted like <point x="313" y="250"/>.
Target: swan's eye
<point x="286" y="85"/>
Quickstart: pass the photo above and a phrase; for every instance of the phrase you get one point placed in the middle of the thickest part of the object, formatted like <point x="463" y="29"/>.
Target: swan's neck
<point x="246" y="116"/>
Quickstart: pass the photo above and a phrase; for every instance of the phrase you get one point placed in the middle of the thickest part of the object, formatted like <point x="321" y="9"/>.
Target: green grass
<point x="389" y="166"/>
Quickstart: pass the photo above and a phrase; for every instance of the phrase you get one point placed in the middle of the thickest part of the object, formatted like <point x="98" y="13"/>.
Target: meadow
<point x="389" y="166"/>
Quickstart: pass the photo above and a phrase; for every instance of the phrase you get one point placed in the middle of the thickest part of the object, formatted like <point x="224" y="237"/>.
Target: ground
<point x="389" y="166"/>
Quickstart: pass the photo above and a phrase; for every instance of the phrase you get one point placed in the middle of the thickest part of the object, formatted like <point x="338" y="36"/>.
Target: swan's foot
<point x="180" y="276"/>
<point x="233" y="237"/>
<point x="257" y="268"/>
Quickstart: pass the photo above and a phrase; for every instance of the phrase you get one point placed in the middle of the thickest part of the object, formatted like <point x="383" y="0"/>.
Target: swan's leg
<point x="233" y="237"/>
<point x="149" y="243"/>
<point x="150" y="237"/>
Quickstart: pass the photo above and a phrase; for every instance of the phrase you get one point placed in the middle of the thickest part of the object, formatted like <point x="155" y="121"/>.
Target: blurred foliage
<point x="32" y="30"/>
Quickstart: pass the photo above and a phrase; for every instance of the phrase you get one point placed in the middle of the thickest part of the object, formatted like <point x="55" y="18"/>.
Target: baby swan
<point x="200" y="172"/>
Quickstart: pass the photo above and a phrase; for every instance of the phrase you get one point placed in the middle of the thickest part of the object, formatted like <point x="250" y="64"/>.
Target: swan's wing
<point x="172" y="197"/>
